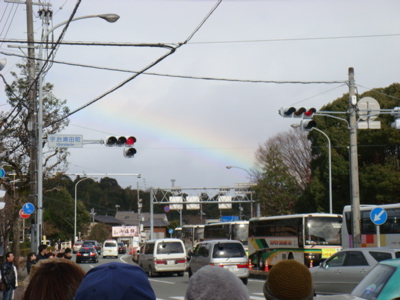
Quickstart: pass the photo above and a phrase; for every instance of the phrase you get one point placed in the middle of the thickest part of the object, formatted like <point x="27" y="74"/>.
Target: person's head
<point x="31" y="256"/>
<point x="10" y="257"/>
<point x="42" y="249"/>
<point x="289" y="280"/>
<point x="215" y="283"/>
<point x="68" y="253"/>
<point x="60" y="255"/>
<point x="50" y="255"/>
<point x="53" y="279"/>
<point x="115" y="281"/>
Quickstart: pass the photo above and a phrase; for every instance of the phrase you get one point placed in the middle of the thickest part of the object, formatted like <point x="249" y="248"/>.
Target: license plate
<point x="231" y="268"/>
<point x="85" y="254"/>
<point x="170" y="262"/>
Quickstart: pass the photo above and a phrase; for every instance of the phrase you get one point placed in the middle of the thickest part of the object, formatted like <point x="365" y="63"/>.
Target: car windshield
<point x="226" y="250"/>
<point x="170" y="247"/>
<point x="370" y="287"/>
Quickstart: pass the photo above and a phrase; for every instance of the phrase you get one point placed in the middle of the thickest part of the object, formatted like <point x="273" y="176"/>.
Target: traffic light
<point x="308" y="125"/>
<point x="396" y="114"/>
<point x="291" y="112"/>
<point x="122" y="141"/>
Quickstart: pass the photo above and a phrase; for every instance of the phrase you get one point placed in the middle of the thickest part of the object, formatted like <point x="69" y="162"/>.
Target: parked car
<point x="381" y="283"/>
<point x="340" y="273"/>
<point x="110" y="248"/>
<point x="92" y="243"/>
<point x="87" y="254"/>
<point x="228" y="254"/>
<point x="163" y="256"/>
<point x="121" y="248"/>
<point x="77" y="246"/>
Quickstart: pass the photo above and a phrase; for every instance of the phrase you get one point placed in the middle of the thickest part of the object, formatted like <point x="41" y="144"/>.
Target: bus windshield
<point x="240" y="232"/>
<point x="322" y="231"/>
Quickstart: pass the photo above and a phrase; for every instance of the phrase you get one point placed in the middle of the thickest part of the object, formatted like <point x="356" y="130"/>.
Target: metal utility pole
<point x="355" y="188"/>
<point x="33" y="129"/>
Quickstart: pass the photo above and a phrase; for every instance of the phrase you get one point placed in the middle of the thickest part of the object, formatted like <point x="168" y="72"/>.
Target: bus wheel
<point x="291" y="256"/>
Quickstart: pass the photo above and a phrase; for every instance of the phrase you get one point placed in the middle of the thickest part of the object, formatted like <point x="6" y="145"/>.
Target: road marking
<point x="162" y="281"/>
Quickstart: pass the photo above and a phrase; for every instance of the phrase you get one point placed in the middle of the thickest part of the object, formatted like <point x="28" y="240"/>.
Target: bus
<point x="191" y="234"/>
<point x="307" y="238"/>
<point x="389" y="231"/>
<point x="236" y="230"/>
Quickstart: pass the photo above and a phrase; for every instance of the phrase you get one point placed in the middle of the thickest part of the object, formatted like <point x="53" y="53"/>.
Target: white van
<point x="163" y="256"/>
<point x="110" y="248"/>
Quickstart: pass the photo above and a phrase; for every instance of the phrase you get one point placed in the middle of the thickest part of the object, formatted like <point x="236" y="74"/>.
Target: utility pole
<point x="355" y="188"/>
<point x="33" y="129"/>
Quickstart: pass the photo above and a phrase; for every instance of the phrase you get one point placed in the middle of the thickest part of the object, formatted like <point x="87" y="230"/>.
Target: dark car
<point x="87" y="254"/>
<point x="121" y="248"/>
<point x="94" y="244"/>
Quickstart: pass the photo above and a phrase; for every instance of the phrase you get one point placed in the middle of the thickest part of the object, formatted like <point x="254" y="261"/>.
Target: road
<point x="174" y="287"/>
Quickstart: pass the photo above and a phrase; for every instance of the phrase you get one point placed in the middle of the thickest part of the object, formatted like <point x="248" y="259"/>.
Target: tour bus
<point x="307" y="238"/>
<point x="389" y="231"/>
<point x="235" y="230"/>
<point x="191" y="234"/>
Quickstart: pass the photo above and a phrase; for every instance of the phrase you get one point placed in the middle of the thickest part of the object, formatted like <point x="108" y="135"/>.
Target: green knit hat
<point x="289" y="280"/>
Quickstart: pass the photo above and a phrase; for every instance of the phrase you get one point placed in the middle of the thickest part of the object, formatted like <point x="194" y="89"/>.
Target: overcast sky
<point x="191" y="129"/>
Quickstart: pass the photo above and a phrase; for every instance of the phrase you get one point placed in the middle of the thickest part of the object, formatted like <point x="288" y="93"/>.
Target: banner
<point x="124" y="231"/>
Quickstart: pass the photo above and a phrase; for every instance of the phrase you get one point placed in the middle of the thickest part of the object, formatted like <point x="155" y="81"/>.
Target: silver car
<point x="228" y="254"/>
<point x="340" y="273"/>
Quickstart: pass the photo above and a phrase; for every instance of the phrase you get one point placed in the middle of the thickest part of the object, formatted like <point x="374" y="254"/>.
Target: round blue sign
<point x="170" y="231"/>
<point x="166" y="208"/>
<point x="2" y="173"/>
<point x="378" y="216"/>
<point x="28" y="208"/>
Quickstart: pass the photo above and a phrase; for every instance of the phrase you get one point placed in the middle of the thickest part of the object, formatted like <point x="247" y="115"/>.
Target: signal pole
<point x="355" y="188"/>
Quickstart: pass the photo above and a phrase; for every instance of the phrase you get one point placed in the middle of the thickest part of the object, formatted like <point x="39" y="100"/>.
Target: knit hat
<point x="115" y="281"/>
<point x="289" y="280"/>
<point x="215" y="283"/>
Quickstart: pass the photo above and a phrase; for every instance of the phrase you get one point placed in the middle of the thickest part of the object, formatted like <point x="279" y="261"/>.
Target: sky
<point x="190" y="129"/>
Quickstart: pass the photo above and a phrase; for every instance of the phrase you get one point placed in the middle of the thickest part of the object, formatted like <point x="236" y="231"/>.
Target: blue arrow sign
<point x="170" y="231"/>
<point x="2" y="173"/>
<point x="378" y="216"/>
<point x="28" y="208"/>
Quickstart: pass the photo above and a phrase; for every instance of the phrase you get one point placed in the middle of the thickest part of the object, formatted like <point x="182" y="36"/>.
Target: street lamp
<point x="109" y="18"/>
<point x="251" y="205"/>
<point x="76" y="191"/>
<point x="329" y="162"/>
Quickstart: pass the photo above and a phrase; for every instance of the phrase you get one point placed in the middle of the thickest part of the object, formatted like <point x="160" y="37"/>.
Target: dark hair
<point x="60" y="255"/>
<point x="54" y="279"/>
<point x="8" y="254"/>
<point x="29" y="256"/>
<point x="67" y="250"/>
<point x="42" y="247"/>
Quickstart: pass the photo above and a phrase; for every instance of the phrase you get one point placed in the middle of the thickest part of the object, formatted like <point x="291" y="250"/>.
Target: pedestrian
<point x="59" y="245"/>
<point x="115" y="281"/>
<point x="289" y="280"/>
<point x="30" y="260"/>
<point x="215" y="283"/>
<point x="42" y="252"/>
<point x="8" y="276"/>
<point x="56" y="279"/>
<point x="68" y="253"/>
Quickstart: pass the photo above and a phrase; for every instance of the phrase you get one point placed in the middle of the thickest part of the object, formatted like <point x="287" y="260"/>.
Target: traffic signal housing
<point x="396" y="114"/>
<point x="292" y="112"/>
<point x="122" y="141"/>
<point x="308" y="125"/>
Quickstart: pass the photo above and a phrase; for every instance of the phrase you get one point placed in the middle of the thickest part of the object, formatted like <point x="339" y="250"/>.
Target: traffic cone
<point x="311" y="264"/>
<point x="266" y="267"/>
<point x="250" y="265"/>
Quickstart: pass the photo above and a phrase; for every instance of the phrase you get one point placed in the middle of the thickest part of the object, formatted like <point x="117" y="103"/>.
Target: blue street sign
<point x="2" y="173"/>
<point x="378" y="216"/>
<point x="28" y="208"/>
<point x="170" y="231"/>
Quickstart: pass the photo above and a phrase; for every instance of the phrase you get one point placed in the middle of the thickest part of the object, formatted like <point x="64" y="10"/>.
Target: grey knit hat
<point x="215" y="283"/>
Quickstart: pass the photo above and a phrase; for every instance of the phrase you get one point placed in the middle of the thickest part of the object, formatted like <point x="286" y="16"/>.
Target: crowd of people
<point x="58" y="278"/>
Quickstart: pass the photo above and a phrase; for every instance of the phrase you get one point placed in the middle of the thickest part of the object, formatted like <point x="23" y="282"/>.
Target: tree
<point x="282" y="171"/>
<point x="17" y="140"/>
<point x="100" y="232"/>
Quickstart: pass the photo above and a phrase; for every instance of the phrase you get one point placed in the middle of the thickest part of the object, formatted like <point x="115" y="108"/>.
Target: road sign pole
<point x="378" y="235"/>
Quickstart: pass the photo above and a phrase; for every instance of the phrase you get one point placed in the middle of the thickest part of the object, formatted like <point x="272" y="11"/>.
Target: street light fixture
<point x="111" y="18"/>
<point x="76" y="191"/>
<point x="329" y="162"/>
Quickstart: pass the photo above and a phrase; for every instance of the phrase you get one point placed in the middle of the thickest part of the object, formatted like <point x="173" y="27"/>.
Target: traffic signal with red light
<point x="291" y="112"/>
<point x="122" y="141"/>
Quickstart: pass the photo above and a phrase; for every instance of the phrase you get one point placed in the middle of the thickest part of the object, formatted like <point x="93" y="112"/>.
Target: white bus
<point x="389" y="231"/>
<point x="307" y="238"/>
<point x="235" y="230"/>
<point x="190" y="235"/>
